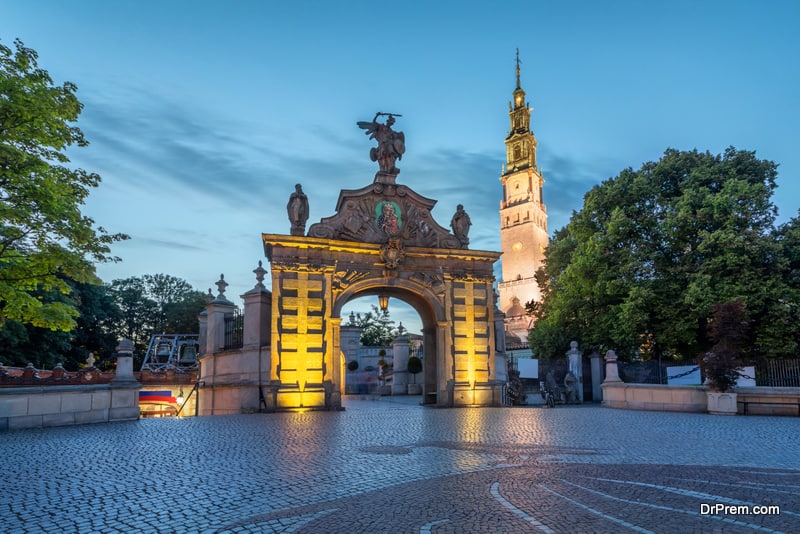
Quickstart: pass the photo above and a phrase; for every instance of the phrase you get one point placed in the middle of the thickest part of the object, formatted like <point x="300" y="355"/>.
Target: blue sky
<point x="203" y="115"/>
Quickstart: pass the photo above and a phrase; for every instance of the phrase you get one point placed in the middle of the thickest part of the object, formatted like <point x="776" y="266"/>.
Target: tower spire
<point x="523" y="218"/>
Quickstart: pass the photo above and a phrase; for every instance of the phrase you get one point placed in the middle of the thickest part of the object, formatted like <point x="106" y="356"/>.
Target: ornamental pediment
<point x="382" y="211"/>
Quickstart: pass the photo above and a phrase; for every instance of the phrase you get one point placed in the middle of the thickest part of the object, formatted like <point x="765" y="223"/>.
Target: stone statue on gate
<point x="460" y="224"/>
<point x="297" y="208"/>
<point x="571" y="388"/>
<point x="575" y="360"/>
<point x="391" y="146"/>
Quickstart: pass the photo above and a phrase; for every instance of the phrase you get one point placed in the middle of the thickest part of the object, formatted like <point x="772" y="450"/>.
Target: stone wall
<point x="32" y="407"/>
<point x="655" y="397"/>
<point x="671" y="398"/>
<point x="229" y="381"/>
<point x="50" y="402"/>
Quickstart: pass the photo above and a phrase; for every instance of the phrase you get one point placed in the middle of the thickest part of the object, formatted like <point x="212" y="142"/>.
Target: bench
<point x="746" y="402"/>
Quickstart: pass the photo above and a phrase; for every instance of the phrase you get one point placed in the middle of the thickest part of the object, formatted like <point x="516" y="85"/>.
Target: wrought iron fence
<point x="234" y="330"/>
<point x="769" y="373"/>
<point x="778" y="373"/>
<point x="649" y="372"/>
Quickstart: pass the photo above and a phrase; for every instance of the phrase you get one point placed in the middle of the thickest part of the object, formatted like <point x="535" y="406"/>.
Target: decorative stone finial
<point x="260" y="272"/>
<point x="90" y="360"/>
<point x="221" y="285"/>
<point x="123" y="375"/>
<point x="125" y="346"/>
<point x="209" y="296"/>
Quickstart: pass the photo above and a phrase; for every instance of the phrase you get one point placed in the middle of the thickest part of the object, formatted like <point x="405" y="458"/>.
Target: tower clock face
<point x="516" y="247"/>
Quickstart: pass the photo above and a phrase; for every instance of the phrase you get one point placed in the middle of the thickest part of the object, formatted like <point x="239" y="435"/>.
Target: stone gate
<point x="350" y="255"/>
<point x="382" y="241"/>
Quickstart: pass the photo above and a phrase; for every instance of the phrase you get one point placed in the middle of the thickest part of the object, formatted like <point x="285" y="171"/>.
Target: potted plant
<point x="383" y="371"/>
<point x="722" y="364"/>
<point x="414" y="367"/>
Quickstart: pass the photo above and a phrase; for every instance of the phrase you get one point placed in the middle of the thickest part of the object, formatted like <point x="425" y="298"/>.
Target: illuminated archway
<point x="350" y="255"/>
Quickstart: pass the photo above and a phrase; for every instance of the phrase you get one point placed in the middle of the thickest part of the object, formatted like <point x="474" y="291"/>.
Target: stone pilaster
<point x="217" y="310"/>
<point x="257" y="313"/>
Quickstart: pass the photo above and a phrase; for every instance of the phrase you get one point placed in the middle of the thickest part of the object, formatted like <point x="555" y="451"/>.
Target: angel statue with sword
<point x="391" y="144"/>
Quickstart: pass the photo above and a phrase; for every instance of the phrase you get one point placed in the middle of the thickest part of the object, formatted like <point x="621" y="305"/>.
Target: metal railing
<point x="234" y="330"/>
<point x="769" y="373"/>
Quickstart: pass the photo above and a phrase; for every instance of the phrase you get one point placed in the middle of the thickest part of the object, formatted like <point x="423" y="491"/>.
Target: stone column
<point x="445" y="366"/>
<point x="349" y="342"/>
<point x="124" y="387"/>
<point x="400" y="360"/>
<point x="202" y="325"/>
<point x="337" y="365"/>
<point x="202" y="329"/>
<point x="597" y="376"/>
<point x="499" y="332"/>
<point x="124" y="371"/>
<point x="429" y="365"/>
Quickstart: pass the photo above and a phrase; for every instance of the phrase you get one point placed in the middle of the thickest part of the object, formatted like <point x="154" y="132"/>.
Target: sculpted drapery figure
<point x="297" y="209"/>
<point x="391" y="144"/>
<point x="460" y="224"/>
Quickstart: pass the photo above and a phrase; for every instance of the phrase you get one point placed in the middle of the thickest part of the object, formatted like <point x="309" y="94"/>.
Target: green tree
<point x="45" y="240"/>
<point x="414" y="367"/>
<point x="156" y="304"/>
<point x="138" y="312"/>
<point x="44" y="348"/>
<point x="785" y="315"/>
<point x="377" y="329"/>
<point x="639" y="268"/>
<point x="177" y="302"/>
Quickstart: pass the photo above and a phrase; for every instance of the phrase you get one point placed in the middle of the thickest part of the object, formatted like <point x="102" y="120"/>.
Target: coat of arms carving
<point x="393" y="254"/>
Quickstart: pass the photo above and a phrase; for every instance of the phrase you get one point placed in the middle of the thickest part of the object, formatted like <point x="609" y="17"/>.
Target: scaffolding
<point x="172" y="351"/>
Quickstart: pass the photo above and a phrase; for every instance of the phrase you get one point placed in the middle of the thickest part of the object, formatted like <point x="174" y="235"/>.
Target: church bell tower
<point x="523" y="217"/>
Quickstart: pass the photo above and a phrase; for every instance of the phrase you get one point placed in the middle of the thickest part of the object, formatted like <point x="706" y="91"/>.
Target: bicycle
<point x="547" y="396"/>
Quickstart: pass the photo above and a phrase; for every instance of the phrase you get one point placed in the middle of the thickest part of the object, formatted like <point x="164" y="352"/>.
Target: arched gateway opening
<point x="382" y="240"/>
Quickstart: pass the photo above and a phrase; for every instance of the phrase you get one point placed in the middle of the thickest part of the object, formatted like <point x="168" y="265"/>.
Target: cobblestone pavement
<point x="391" y="466"/>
